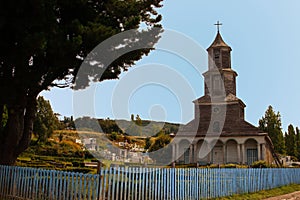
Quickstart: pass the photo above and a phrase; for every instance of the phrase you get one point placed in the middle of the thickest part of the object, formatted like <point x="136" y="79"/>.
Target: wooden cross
<point x="218" y="24"/>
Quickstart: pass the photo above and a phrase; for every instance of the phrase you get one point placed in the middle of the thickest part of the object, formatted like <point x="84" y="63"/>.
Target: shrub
<point x="260" y="164"/>
<point x="78" y="164"/>
<point x="230" y="166"/>
<point x="80" y="170"/>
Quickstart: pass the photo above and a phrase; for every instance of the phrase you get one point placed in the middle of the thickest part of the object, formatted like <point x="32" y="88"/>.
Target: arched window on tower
<point x="216" y="127"/>
<point x="217" y="85"/>
<point x="217" y="57"/>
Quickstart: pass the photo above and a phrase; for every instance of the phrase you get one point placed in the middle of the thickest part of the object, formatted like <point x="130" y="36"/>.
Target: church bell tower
<point x="219" y="133"/>
<point x="219" y="106"/>
<point x="219" y="68"/>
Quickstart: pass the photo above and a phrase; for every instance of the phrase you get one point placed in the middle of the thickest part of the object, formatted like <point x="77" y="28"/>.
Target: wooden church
<point x="219" y="133"/>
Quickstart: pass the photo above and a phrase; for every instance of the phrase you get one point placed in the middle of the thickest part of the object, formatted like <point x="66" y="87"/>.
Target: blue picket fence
<point x="139" y="183"/>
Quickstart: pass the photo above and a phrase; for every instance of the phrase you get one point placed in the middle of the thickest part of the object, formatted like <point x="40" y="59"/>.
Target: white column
<point x="195" y="153"/>
<point x="173" y="152"/>
<point x="191" y="152"/>
<point x="210" y="160"/>
<point x="243" y="154"/>
<point x="177" y="152"/>
<point x="224" y="154"/>
<point x="263" y="148"/>
<point x="239" y="153"/>
<point x="258" y="152"/>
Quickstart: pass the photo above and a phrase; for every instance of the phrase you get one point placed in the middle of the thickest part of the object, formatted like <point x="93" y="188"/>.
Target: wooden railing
<point x="140" y="183"/>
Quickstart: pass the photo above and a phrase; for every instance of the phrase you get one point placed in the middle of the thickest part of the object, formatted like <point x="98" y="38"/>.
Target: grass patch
<point x="264" y="193"/>
<point x="55" y="154"/>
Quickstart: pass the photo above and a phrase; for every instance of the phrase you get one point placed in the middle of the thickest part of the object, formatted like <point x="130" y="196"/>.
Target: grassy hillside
<point x="60" y="152"/>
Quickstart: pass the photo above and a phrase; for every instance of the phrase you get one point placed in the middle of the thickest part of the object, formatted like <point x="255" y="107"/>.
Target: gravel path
<point x="291" y="196"/>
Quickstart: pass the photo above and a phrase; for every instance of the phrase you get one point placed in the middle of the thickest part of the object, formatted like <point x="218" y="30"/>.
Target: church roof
<point x="218" y="42"/>
<point x="229" y="98"/>
<point x="241" y="128"/>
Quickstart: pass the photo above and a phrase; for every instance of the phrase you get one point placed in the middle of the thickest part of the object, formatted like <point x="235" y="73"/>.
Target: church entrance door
<point x="218" y="155"/>
<point x="251" y="156"/>
<point x="186" y="155"/>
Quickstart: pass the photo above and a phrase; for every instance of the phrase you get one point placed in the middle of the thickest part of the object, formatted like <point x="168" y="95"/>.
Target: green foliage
<point x="45" y="121"/>
<point x="44" y="42"/>
<point x="80" y="170"/>
<point x="264" y="194"/>
<point x="160" y="142"/>
<point x="69" y="123"/>
<point x="138" y="120"/>
<point x="230" y="166"/>
<point x="109" y="126"/>
<point x="44" y="38"/>
<point x="60" y="137"/>
<point x="260" y="164"/>
<point x="148" y="143"/>
<point x="114" y="136"/>
<point x="3" y="116"/>
<point x="65" y="155"/>
<point x="101" y="125"/>
<point x="298" y="143"/>
<point x="290" y="141"/>
<point x="271" y="124"/>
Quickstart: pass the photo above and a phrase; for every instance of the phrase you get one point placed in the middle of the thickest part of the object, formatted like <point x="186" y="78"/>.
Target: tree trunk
<point x="16" y="135"/>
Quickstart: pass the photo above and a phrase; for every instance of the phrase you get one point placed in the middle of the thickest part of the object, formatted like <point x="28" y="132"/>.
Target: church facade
<point x="219" y="133"/>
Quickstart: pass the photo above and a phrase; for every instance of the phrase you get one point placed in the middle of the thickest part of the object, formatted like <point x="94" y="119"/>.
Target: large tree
<point x="290" y="141"/>
<point x="43" y="41"/>
<point x="298" y="143"/>
<point x="271" y="124"/>
<point x="45" y="121"/>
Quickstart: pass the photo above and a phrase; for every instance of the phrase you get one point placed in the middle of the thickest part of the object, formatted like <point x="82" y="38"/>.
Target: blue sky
<point x="265" y="39"/>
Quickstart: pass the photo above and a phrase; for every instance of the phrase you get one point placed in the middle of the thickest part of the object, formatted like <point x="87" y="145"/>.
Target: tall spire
<point x="218" y="24"/>
<point x="218" y="42"/>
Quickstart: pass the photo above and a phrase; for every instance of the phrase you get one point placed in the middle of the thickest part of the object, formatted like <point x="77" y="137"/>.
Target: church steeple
<point x="219" y="57"/>
<point x="219" y="52"/>
<point x="218" y="42"/>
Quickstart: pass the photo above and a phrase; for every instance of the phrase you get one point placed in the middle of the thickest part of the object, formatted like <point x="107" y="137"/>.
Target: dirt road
<point x="291" y="196"/>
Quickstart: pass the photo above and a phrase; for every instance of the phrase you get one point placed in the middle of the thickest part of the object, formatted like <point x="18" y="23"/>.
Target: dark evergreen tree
<point x="271" y="124"/>
<point x="290" y="141"/>
<point x="43" y="41"/>
<point x="297" y="143"/>
<point x="69" y="122"/>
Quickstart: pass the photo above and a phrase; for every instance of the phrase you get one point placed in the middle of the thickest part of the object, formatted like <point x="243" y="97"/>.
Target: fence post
<point x="99" y="181"/>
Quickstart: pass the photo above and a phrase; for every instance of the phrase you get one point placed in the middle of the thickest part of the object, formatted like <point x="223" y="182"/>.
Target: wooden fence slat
<point x="147" y="185"/>
<point x="122" y="182"/>
<point x="140" y="183"/>
<point x="152" y="179"/>
<point x="128" y="175"/>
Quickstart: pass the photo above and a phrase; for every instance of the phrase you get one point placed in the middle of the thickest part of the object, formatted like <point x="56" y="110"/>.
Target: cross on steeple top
<point x="218" y="24"/>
